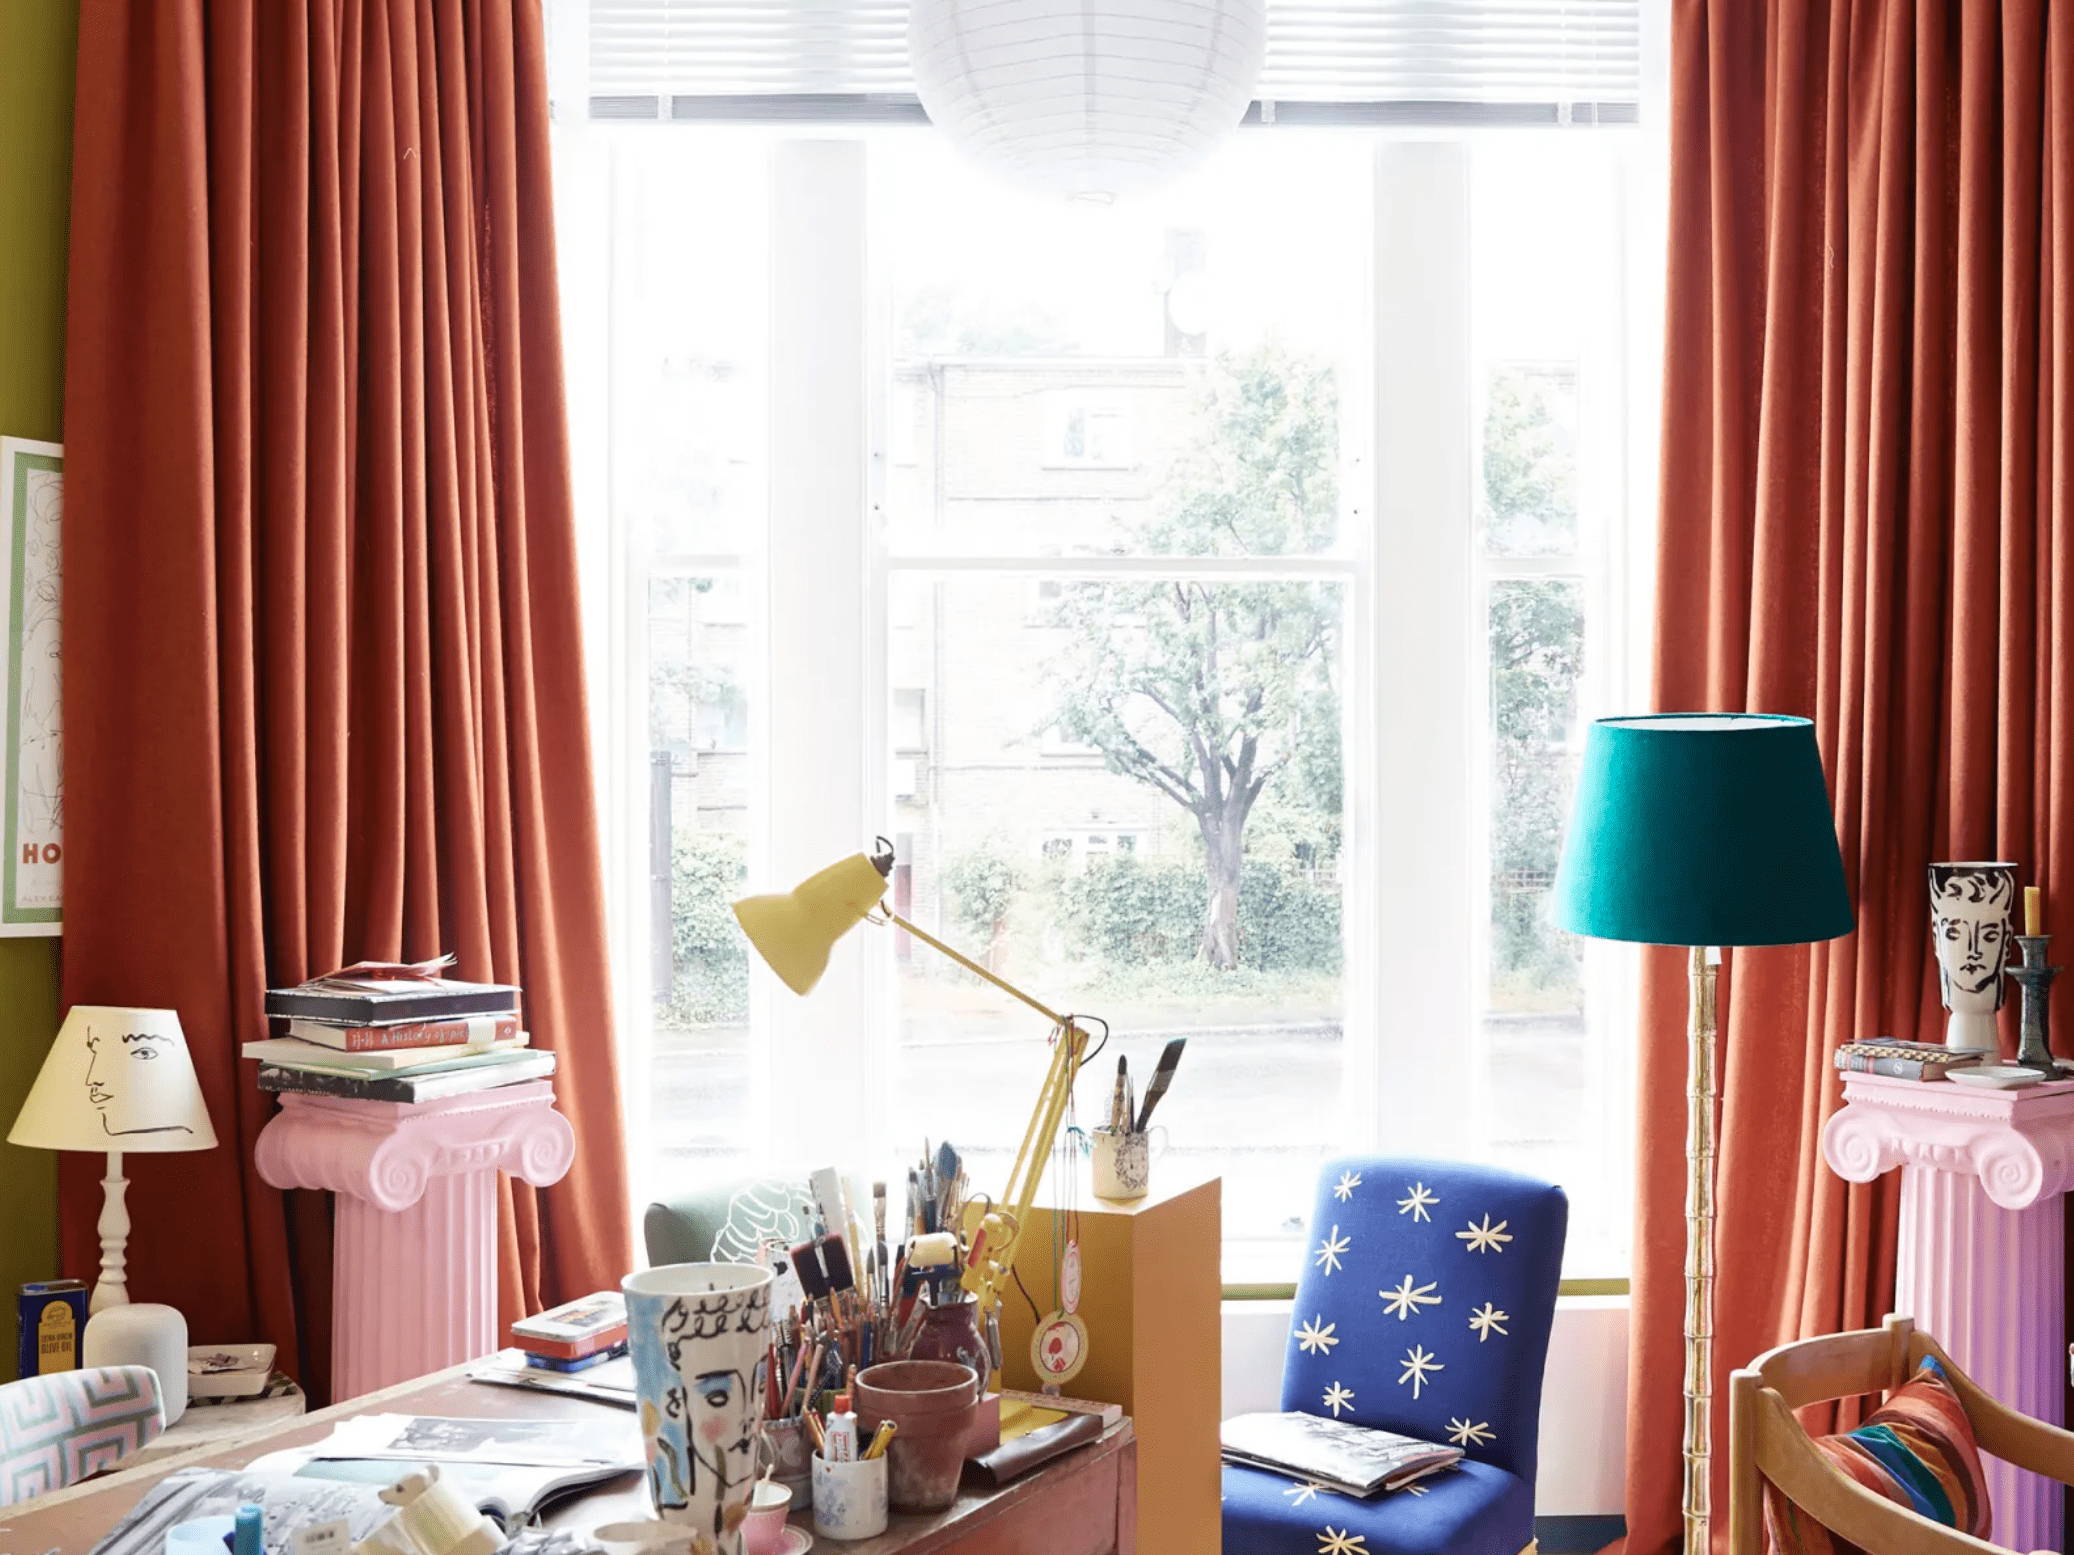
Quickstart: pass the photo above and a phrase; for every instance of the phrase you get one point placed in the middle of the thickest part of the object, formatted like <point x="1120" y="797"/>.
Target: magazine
<point x="1356" y="1460"/>
<point x="451" y="1442"/>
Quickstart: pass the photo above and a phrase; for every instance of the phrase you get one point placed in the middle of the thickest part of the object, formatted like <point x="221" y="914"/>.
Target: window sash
<point x="1414" y="592"/>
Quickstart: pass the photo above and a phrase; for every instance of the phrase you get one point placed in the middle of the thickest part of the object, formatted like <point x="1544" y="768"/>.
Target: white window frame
<point x="821" y="767"/>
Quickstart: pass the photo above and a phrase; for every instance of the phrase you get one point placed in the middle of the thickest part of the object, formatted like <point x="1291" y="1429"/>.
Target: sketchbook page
<point x="291" y="1504"/>
<point x="443" y="1440"/>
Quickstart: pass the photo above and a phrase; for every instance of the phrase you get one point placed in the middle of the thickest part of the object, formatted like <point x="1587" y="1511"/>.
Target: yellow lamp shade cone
<point x="795" y="931"/>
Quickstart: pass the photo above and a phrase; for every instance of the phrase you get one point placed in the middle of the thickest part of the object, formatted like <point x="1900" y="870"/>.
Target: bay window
<point x="1205" y="597"/>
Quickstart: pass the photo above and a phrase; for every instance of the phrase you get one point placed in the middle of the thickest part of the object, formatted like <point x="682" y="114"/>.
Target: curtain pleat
<point x="1867" y="520"/>
<point x="323" y="687"/>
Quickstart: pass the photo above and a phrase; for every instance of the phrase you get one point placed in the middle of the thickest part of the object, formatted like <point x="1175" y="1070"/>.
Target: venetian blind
<point x="1344" y="61"/>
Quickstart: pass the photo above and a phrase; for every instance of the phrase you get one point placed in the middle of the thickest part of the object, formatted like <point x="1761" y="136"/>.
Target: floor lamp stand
<point x="1701" y="1125"/>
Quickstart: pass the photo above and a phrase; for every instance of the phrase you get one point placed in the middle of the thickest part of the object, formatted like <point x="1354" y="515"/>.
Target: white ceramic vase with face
<point x="698" y="1334"/>
<point x="1970" y="909"/>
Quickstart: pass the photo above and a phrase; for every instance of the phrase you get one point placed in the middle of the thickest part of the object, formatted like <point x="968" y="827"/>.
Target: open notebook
<point x="1356" y="1460"/>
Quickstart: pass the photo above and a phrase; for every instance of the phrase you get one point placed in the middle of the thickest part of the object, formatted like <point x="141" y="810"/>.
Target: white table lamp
<point x="120" y="1080"/>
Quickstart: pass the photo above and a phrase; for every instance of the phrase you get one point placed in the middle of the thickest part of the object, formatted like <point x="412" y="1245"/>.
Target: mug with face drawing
<point x="1122" y="1161"/>
<point x="698" y="1335"/>
<point x="1971" y="905"/>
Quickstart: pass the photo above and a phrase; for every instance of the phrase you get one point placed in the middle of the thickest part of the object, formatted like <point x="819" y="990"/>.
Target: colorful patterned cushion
<point x="1916" y="1449"/>
<point x="55" y="1430"/>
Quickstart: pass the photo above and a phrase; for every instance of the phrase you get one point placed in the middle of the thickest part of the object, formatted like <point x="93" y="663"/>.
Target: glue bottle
<point x="842" y="1432"/>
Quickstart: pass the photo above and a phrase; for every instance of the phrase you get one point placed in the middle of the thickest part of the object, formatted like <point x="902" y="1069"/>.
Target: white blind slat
<point x="1507" y="54"/>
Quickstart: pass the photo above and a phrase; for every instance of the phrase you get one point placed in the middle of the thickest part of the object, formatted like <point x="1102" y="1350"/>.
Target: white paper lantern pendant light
<point x="1092" y="99"/>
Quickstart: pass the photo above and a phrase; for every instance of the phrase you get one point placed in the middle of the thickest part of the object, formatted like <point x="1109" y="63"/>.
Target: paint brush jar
<point x="850" y="1497"/>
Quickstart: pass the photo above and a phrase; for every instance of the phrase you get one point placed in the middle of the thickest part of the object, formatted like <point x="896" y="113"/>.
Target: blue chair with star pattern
<point x="1424" y="1308"/>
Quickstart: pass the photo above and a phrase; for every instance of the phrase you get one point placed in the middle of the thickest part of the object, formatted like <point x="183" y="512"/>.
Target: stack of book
<point x="575" y="1336"/>
<point x="380" y="1033"/>
<point x="1907" y="1060"/>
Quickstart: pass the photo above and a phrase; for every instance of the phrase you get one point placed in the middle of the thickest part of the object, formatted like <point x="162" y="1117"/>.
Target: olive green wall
<point x="37" y="40"/>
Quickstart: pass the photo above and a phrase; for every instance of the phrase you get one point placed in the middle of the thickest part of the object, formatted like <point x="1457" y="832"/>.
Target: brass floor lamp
<point x="1702" y="830"/>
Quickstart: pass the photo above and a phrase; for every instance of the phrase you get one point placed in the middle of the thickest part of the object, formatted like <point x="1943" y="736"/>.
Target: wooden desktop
<point x="1084" y="1503"/>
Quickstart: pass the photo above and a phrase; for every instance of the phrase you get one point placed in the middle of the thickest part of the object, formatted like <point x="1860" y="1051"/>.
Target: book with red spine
<point x="473" y="1031"/>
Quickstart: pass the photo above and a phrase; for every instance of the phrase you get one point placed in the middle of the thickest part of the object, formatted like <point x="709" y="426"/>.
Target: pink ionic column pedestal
<point x="1979" y="1265"/>
<point x="414" y="1235"/>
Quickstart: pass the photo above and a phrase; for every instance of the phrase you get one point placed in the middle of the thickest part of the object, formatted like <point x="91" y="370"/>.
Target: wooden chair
<point x="1767" y="1444"/>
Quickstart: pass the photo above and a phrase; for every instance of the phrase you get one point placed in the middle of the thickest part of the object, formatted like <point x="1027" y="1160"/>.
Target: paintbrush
<point x="1162" y="1077"/>
<point x="1119" y="1109"/>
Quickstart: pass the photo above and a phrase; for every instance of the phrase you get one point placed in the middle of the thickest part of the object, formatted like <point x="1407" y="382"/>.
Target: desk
<point x="1081" y="1504"/>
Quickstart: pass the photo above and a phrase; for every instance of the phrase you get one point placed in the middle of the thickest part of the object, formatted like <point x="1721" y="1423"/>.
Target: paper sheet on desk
<point x="290" y="1504"/>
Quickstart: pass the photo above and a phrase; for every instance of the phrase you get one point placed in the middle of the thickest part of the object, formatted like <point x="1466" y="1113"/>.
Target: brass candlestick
<point x="2034" y="977"/>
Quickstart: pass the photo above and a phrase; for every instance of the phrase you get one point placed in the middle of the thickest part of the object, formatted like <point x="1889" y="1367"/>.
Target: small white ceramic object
<point x="1996" y="1077"/>
<point x="142" y="1333"/>
<point x="850" y="1498"/>
<point x="644" y="1536"/>
<point x="228" y="1370"/>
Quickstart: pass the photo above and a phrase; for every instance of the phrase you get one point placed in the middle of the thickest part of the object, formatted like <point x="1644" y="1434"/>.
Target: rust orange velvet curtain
<point x="1868" y="518"/>
<point x="323" y="693"/>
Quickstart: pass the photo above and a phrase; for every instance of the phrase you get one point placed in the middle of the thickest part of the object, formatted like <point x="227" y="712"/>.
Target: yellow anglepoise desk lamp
<point x="795" y="932"/>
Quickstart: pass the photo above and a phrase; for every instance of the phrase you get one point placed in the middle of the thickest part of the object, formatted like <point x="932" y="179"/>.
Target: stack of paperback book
<point x="1900" y="1060"/>
<point x="381" y="1032"/>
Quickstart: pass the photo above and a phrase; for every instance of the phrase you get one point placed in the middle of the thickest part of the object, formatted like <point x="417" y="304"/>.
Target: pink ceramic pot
<point x="931" y="1405"/>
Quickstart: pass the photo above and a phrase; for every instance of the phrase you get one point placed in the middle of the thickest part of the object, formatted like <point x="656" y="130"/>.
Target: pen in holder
<point x="1122" y="1161"/>
<point x="850" y="1497"/>
<point x="2034" y="977"/>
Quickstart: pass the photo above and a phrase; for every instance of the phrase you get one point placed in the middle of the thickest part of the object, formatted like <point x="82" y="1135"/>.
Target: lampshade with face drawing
<point x="116" y="1079"/>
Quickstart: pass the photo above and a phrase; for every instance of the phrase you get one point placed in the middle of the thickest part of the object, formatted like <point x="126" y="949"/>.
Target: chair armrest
<point x="1846" y="1508"/>
<point x="2016" y="1438"/>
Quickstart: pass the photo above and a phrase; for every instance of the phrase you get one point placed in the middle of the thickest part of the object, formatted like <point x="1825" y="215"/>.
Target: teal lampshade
<point x="1702" y="829"/>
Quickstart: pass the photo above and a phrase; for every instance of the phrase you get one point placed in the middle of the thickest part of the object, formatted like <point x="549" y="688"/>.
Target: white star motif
<point x="1486" y="1238"/>
<point x="1417" y="1363"/>
<point x="1416" y="1200"/>
<point x="1298" y="1494"/>
<point x="1334" y="1541"/>
<point x="1343" y="1190"/>
<point x="1464" y="1433"/>
<point x="1404" y="1302"/>
<point x="1338" y="1398"/>
<point x="1315" y="1337"/>
<point x="1488" y="1320"/>
<point x="1327" y="1256"/>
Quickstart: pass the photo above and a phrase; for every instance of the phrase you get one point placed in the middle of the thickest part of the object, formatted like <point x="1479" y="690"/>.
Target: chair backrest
<point x="1424" y="1306"/>
<point x="1767" y="1442"/>
<point x="723" y="1221"/>
<point x="57" y="1429"/>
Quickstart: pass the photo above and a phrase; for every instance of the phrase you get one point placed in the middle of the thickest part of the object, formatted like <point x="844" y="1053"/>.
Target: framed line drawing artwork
<point x="31" y="876"/>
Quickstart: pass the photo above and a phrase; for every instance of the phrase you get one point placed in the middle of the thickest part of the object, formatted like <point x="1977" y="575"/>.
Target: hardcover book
<point x="374" y="1000"/>
<point x="308" y="1055"/>
<point x="483" y="1075"/>
<point x="474" y="1031"/>
<point x="1356" y="1460"/>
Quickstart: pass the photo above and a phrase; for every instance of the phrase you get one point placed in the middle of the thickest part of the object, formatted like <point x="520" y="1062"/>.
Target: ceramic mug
<point x="699" y="1336"/>
<point x="850" y="1498"/>
<point x="1123" y="1161"/>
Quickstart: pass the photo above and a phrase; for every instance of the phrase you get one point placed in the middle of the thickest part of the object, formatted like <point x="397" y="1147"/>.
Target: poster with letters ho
<point x="32" y="487"/>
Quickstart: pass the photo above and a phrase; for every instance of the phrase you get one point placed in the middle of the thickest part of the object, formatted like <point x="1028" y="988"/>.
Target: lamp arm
<point x="973" y="967"/>
<point x="990" y="1255"/>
